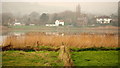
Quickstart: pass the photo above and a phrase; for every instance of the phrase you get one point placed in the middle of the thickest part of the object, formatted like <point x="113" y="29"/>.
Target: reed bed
<point x="81" y="41"/>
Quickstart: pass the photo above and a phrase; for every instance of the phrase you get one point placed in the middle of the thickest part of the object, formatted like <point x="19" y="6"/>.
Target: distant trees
<point x="33" y="18"/>
<point x="36" y="18"/>
<point x="54" y="17"/>
<point x="119" y="13"/>
<point x="91" y="19"/>
<point x="44" y="18"/>
<point x="68" y="16"/>
<point x="114" y="20"/>
<point x="7" y="18"/>
<point x="26" y="19"/>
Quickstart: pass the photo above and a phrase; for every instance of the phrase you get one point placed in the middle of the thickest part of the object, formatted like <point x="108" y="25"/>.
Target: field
<point x="73" y="27"/>
<point x="40" y="58"/>
<point x="39" y="49"/>
<point x="95" y="58"/>
<point x="50" y="58"/>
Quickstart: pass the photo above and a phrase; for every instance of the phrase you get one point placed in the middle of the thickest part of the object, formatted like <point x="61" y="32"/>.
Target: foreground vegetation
<point x="95" y="58"/>
<point x="40" y="58"/>
<point x="47" y="56"/>
<point x="50" y="58"/>
<point x="39" y="49"/>
<point x="31" y="40"/>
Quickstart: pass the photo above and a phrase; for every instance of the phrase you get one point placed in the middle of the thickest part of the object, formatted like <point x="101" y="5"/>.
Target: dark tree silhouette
<point x="44" y="18"/>
<point x="7" y="18"/>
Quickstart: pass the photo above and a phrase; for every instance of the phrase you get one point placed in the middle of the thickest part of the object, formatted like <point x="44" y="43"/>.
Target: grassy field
<point x="95" y="58"/>
<point x="50" y="58"/>
<point x="31" y="27"/>
<point x="47" y="56"/>
<point x="40" y="58"/>
<point x="43" y="26"/>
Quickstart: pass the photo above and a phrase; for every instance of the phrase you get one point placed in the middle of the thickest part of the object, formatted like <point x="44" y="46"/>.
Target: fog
<point x="104" y="8"/>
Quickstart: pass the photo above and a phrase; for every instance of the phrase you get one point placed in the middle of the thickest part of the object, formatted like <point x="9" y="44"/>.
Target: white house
<point x="57" y="23"/>
<point x="50" y="25"/>
<point x="103" y="20"/>
<point x="17" y="23"/>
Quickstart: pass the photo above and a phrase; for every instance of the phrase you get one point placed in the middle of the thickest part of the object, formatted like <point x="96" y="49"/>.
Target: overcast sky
<point x="90" y="6"/>
<point x="60" y="0"/>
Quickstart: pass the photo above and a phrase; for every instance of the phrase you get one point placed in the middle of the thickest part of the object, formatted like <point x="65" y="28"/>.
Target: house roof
<point x="103" y="17"/>
<point x="60" y="20"/>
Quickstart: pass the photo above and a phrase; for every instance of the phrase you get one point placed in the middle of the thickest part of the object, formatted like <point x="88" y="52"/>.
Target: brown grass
<point x="82" y="41"/>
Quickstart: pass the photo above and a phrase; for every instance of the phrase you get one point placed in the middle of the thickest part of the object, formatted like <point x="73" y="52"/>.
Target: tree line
<point x="36" y="18"/>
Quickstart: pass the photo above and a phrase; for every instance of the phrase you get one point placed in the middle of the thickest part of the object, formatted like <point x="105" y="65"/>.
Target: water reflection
<point x="54" y="33"/>
<point x="61" y="32"/>
<point x="16" y="33"/>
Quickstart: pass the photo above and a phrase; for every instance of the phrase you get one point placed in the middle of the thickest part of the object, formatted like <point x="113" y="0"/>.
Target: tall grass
<point x="81" y="41"/>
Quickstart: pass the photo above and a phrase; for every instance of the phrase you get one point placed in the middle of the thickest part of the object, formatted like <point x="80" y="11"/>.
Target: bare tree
<point x="7" y="18"/>
<point x="44" y="18"/>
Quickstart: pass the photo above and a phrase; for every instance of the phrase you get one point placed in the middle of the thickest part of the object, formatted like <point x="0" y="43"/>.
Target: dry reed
<point x="80" y="41"/>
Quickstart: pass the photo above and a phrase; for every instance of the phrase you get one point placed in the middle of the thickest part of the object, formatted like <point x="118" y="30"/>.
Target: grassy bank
<point x="47" y="56"/>
<point x="50" y="58"/>
<point x="95" y="58"/>
<point x="21" y="58"/>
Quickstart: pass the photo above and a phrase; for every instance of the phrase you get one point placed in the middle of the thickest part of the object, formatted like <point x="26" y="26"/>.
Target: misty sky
<point x="106" y="8"/>
<point x="60" y="0"/>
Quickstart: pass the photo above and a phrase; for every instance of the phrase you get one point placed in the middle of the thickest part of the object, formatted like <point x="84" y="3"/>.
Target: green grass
<point x="24" y="26"/>
<point x="30" y="27"/>
<point x="44" y="27"/>
<point x="101" y="56"/>
<point x="38" y="58"/>
<point x="95" y="58"/>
